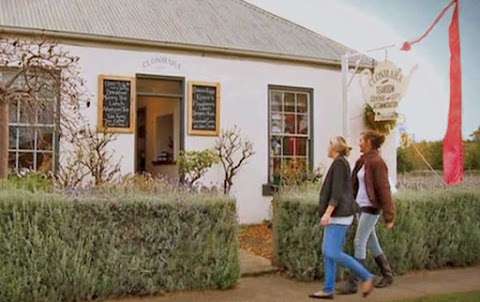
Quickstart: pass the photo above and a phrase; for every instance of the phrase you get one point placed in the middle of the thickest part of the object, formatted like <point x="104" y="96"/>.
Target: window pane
<point x="301" y="164"/>
<point x="44" y="162"/>
<point x="289" y="105"/>
<point x="12" y="107"/>
<point x="288" y="146"/>
<point x="27" y="114"/>
<point x="302" y="103"/>
<point x="289" y="139"/>
<point x="25" y="160"/>
<point x="302" y="124"/>
<point x="289" y="124"/>
<point x="45" y="139"/>
<point x="45" y="113"/>
<point x="276" y="145"/>
<point x="286" y="167"/>
<point x="276" y="170"/>
<point x="276" y="126"/>
<point x="26" y="138"/>
<point x="48" y="91"/>
<point x="301" y="147"/>
<point x="276" y="101"/>
<point x="12" y="160"/>
<point x="19" y="82"/>
<point x="12" y="138"/>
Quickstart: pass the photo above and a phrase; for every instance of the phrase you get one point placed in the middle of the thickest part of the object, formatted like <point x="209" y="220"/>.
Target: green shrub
<point x="194" y="164"/>
<point x="409" y="159"/>
<point x="32" y="181"/>
<point x="53" y="248"/>
<point x="434" y="229"/>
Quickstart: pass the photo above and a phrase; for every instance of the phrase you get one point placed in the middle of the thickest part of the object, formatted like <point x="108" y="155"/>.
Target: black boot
<point x="350" y="286"/>
<point x="385" y="270"/>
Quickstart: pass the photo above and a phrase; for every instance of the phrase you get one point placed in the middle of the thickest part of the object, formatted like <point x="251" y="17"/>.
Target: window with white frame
<point x="290" y="131"/>
<point x="33" y="132"/>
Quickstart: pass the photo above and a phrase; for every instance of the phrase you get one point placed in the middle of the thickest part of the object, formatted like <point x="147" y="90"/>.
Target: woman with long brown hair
<point x="371" y="190"/>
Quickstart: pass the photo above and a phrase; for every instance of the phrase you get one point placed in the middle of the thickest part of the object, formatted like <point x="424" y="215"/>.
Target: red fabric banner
<point x="408" y="45"/>
<point x="453" y="156"/>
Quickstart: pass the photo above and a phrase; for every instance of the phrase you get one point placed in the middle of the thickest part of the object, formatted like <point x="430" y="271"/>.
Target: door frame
<point x="180" y="96"/>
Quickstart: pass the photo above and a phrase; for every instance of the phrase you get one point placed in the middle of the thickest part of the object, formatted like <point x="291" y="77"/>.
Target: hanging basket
<point x="383" y="127"/>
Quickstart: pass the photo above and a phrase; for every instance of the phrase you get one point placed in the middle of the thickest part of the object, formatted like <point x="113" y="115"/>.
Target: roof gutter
<point x="80" y="37"/>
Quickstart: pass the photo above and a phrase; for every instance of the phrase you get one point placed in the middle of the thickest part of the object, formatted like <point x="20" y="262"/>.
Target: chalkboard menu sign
<point x="116" y="104"/>
<point x="204" y="108"/>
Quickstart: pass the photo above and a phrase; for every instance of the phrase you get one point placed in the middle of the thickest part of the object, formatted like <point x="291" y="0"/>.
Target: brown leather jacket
<point x="376" y="182"/>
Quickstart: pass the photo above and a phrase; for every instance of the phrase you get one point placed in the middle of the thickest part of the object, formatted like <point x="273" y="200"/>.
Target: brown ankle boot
<point x="385" y="270"/>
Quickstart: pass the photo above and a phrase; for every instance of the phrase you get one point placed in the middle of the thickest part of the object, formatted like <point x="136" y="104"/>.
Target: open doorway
<point x="159" y="133"/>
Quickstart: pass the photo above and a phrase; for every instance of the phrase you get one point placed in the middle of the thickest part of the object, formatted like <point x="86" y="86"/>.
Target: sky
<point x="363" y="25"/>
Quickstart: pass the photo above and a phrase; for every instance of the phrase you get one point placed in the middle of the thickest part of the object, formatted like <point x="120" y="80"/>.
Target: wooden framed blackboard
<point x="116" y="104"/>
<point x="204" y="108"/>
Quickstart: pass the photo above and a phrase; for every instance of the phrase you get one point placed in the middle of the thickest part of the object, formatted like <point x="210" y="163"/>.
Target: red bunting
<point x="453" y="156"/>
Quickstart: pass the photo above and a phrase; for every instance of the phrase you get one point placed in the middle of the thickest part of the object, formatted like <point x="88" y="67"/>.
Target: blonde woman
<point x="336" y="212"/>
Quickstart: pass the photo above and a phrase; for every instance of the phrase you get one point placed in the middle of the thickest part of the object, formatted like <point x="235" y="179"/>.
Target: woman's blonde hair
<point x="339" y="144"/>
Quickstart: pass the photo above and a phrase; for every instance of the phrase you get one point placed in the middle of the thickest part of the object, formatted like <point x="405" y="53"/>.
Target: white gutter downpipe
<point x="345" y="112"/>
<point x="346" y="82"/>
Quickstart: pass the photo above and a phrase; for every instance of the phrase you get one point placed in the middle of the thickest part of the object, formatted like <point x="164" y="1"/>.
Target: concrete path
<point x="277" y="288"/>
<point x="253" y="265"/>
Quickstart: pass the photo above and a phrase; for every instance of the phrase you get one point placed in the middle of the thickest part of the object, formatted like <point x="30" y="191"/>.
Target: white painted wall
<point x="244" y="103"/>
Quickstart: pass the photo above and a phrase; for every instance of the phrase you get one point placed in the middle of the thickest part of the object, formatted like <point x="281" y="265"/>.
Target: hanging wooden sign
<point x="203" y="108"/>
<point x="116" y="104"/>
<point x="384" y="89"/>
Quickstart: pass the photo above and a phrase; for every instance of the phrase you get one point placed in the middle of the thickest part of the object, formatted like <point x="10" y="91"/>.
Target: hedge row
<point x="56" y="249"/>
<point x="434" y="229"/>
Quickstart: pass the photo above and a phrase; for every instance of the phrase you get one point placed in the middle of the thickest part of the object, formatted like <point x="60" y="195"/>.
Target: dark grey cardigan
<point x="337" y="189"/>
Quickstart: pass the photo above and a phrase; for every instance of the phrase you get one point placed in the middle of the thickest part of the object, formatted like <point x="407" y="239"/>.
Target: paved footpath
<point x="277" y="288"/>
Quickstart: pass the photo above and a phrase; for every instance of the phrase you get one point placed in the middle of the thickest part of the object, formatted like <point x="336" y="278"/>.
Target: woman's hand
<point x="327" y="216"/>
<point x="390" y="225"/>
<point x="325" y="220"/>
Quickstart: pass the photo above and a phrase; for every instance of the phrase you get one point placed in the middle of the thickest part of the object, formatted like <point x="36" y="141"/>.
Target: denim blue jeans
<point x="366" y="236"/>
<point x="333" y="242"/>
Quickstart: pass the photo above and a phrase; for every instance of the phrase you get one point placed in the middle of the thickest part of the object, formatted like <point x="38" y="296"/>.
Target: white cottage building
<point x="193" y="67"/>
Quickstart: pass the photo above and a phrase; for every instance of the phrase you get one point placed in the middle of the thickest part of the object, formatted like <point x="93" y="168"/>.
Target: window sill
<point x="269" y="189"/>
